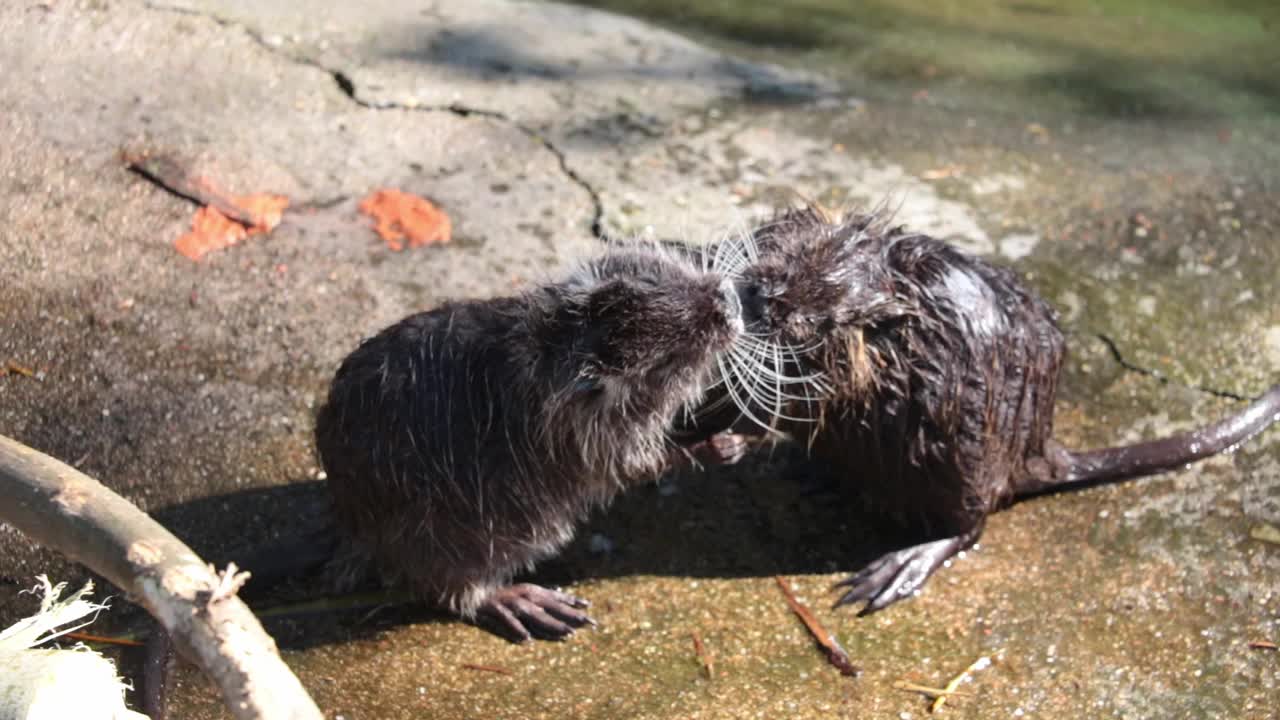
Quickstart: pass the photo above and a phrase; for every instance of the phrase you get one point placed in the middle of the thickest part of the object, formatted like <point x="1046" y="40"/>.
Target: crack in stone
<point x="1160" y="377"/>
<point x="348" y="88"/>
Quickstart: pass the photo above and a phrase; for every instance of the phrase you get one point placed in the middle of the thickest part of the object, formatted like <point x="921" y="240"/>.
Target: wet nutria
<point x="462" y="445"/>
<point x="922" y="374"/>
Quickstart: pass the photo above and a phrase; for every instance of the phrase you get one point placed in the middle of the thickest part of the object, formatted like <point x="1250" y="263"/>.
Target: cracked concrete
<point x="348" y="87"/>
<point x="1156" y="374"/>
<point x="432" y="66"/>
<point x="189" y="387"/>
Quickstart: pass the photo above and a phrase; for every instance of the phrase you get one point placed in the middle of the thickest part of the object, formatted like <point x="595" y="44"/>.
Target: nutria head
<point x="801" y="279"/>
<point x="635" y="336"/>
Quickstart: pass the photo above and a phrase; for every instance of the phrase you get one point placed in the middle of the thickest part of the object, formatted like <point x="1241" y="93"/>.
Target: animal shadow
<point x="773" y="513"/>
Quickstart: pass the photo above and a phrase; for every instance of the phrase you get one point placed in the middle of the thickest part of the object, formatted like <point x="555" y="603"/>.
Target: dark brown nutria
<point x="923" y="375"/>
<point x="464" y="444"/>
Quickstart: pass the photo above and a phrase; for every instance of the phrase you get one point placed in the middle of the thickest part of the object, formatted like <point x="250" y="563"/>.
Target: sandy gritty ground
<point x="189" y="387"/>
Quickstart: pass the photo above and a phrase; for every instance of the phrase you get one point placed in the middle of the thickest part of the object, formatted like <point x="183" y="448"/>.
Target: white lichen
<point x="52" y="684"/>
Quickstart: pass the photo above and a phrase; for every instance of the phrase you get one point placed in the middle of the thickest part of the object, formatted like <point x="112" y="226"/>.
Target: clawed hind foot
<point x="900" y="574"/>
<point x="525" y="611"/>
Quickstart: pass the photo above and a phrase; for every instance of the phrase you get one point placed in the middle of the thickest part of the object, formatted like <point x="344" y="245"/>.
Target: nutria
<point x="921" y="374"/>
<point x="462" y="445"/>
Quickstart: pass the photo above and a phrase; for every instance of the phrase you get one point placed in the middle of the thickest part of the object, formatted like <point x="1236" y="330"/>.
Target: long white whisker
<point x="714" y="406"/>
<point x="757" y="388"/>
<point x="773" y="372"/>
<point x="750" y="246"/>
<point x="744" y="408"/>
<point x="761" y="371"/>
<point x="726" y="250"/>
<point x="744" y="404"/>
<point x="730" y="259"/>
<point x="755" y="393"/>
<point x="804" y="387"/>
<point x="816" y="381"/>
<point x="777" y="384"/>
<point x="802" y="349"/>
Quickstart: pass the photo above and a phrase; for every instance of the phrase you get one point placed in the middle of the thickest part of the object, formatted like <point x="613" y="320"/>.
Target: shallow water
<point x="1173" y="62"/>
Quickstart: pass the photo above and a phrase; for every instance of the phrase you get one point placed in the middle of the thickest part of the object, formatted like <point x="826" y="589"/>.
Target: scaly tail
<point x="1079" y="469"/>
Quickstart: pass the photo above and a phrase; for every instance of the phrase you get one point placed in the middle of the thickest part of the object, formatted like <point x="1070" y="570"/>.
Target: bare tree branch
<point x="65" y="509"/>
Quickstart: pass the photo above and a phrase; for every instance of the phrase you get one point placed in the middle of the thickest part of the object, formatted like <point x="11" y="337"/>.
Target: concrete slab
<point x="189" y="387"/>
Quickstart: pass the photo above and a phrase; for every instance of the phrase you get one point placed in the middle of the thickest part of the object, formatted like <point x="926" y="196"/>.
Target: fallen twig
<point x="701" y="651"/>
<point x="60" y="507"/>
<point x="1266" y="533"/>
<point x="487" y="668"/>
<point x="86" y="637"/>
<point x="979" y="664"/>
<point x="927" y="691"/>
<point x="836" y="655"/>
<point x="168" y="174"/>
<point x="16" y="369"/>
<point x="222" y="220"/>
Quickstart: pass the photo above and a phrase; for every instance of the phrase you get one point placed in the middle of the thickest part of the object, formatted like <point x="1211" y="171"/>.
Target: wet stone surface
<point x="190" y="387"/>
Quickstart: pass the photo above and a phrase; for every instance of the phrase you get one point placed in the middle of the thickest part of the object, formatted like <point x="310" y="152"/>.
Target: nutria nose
<point x="752" y="301"/>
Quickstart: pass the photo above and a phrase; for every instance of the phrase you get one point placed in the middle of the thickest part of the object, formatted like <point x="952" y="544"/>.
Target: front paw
<point x="524" y="611"/>
<point x="723" y="448"/>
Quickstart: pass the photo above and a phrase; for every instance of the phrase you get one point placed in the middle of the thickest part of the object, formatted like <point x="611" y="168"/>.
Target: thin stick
<point x="701" y="651"/>
<point x="62" y="508"/>
<point x="950" y="689"/>
<point x="927" y="691"/>
<point x="16" y="369"/>
<point x="168" y="174"/>
<point x="86" y="637"/>
<point x="836" y="655"/>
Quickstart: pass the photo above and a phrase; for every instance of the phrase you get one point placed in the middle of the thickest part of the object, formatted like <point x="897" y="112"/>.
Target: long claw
<point x="523" y="611"/>
<point x="510" y="626"/>
<point x="855" y="594"/>
<point x="540" y="623"/>
<point x="571" y="615"/>
<point x="864" y="574"/>
<point x="900" y="574"/>
<point x="565" y="598"/>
